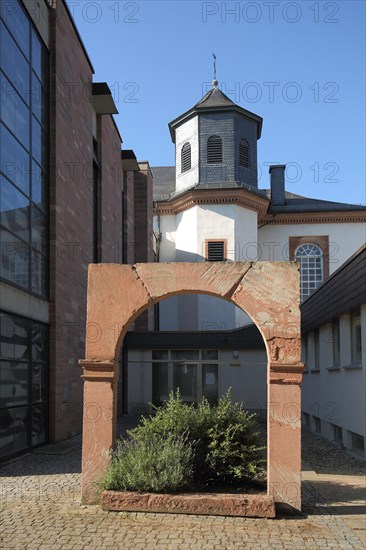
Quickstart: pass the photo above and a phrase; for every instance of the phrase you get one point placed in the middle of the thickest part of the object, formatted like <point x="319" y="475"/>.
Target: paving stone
<point x="40" y="508"/>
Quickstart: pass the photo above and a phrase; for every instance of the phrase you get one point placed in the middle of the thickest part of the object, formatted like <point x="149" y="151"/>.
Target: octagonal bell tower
<point x="216" y="144"/>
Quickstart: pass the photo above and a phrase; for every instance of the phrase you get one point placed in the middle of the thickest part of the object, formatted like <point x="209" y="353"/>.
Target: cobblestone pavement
<point x="40" y="509"/>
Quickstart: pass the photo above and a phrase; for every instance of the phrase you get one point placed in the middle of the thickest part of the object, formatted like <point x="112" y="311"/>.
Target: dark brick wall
<point x="71" y="216"/>
<point x="111" y="191"/>
<point x="143" y="231"/>
<point x="129" y="216"/>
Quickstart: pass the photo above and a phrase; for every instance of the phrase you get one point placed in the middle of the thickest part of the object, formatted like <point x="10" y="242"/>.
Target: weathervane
<point x="214" y="82"/>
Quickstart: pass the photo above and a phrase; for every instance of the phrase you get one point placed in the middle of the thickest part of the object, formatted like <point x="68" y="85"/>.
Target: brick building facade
<point x="68" y="208"/>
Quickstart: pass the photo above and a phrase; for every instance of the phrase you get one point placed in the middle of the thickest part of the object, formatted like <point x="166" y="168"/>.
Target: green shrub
<point x="225" y="442"/>
<point x="159" y="463"/>
<point x="183" y="445"/>
<point x="234" y="450"/>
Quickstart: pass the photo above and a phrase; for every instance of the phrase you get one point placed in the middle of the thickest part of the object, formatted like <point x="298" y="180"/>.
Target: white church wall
<point x="167" y="247"/>
<point x="187" y="132"/>
<point x="344" y="240"/>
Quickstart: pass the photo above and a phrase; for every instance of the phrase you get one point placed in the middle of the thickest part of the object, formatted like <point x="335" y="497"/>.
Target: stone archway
<point x="267" y="291"/>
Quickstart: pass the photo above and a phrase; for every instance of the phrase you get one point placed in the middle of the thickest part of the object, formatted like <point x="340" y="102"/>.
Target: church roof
<point x="164" y="190"/>
<point x="214" y="98"/>
<point x="214" y="101"/>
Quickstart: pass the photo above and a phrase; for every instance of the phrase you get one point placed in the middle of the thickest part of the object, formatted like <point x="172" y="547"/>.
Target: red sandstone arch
<point x="267" y="291"/>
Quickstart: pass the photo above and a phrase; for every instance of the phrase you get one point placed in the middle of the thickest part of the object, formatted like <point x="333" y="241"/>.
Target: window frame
<point x="186" y="149"/>
<point x="211" y="153"/>
<point x="244" y="143"/>
<point x="37" y="283"/>
<point x="356" y="354"/>
<point x="199" y="362"/>
<point x="207" y="243"/>
<point x="308" y="267"/>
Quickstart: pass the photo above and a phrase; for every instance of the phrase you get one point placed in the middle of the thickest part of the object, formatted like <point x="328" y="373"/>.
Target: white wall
<point x="337" y="394"/>
<point x="184" y="240"/>
<point x="187" y="132"/>
<point x="344" y="240"/>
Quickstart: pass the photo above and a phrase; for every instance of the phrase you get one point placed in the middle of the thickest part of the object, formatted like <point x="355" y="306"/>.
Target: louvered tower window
<point x="186" y="157"/>
<point x="215" y="251"/>
<point x="214" y="150"/>
<point x="244" y="153"/>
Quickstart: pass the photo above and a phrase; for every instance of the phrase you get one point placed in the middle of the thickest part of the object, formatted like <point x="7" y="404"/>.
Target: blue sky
<point x="300" y="65"/>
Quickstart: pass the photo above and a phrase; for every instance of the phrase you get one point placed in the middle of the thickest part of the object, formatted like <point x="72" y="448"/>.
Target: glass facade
<point x="23" y="384"/>
<point x="24" y="158"/>
<point x="193" y="372"/>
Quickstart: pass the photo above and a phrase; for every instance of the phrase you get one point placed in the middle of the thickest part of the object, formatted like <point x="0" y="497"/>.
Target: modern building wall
<point x="65" y="203"/>
<point x="246" y="375"/>
<point x="334" y="349"/>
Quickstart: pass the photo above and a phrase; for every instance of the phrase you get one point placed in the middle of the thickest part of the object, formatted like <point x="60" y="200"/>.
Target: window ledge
<point x="334" y="368"/>
<point x="314" y="371"/>
<point x="306" y="371"/>
<point x="353" y="366"/>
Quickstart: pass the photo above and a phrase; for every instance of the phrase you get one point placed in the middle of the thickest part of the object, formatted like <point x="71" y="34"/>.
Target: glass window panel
<point x="39" y="101"/>
<point x="14" y="340"/>
<point x="14" y="210"/>
<point x="14" y="264"/>
<point x="185" y="355"/>
<point x="210" y="386"/>
<point x="14" y="387"/>
<point x="185" y="378"/>
<point x="39" y="186"/>
<point x="160" y="383"/>
<point x="14" y="112"/>
<point x="160" y="354"/>
<point x="38" y="273"/>
<point x="39" y="423"/>
<point x="209" y="354"/>
<point x="17" y="22"/>
<point x="39" y="382"/>
<point x="14" y="64"/>
<point x="356" y="337"/>
<point x="39" y="342"/>
<point x="39" y="58"/>
<point x="38" y="230"/>
<point x="14" y="160"/>
<point x="39" y="143"/>
<point x="13" y="430"/>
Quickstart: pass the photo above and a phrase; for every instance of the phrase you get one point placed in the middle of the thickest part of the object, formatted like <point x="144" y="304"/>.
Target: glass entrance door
<point x="193" y="372"/>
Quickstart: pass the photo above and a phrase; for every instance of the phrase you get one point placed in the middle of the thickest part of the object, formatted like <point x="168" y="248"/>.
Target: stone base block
<point x="214" y="504"/>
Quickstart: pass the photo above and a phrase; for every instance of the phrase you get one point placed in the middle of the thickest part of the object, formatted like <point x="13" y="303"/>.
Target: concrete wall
<point x="336" y="393"/>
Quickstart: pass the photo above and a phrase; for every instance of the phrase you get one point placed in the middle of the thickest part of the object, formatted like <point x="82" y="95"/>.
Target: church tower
<point x="216" y="144"/>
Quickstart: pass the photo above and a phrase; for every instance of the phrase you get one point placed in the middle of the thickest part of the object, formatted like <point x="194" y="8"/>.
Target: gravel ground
<point x="326" y="457"/>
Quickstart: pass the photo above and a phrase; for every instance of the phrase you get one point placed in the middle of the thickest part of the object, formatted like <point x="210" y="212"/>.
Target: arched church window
<point x="244" y="157"/>
<point x="310" y="257"/>
<point x="186" y="157"/>
<point x="214" y="150"/>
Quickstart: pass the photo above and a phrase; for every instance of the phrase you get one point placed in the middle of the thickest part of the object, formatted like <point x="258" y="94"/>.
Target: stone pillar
<point x="284" y="433"/>
<point x="99" y="422"/>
